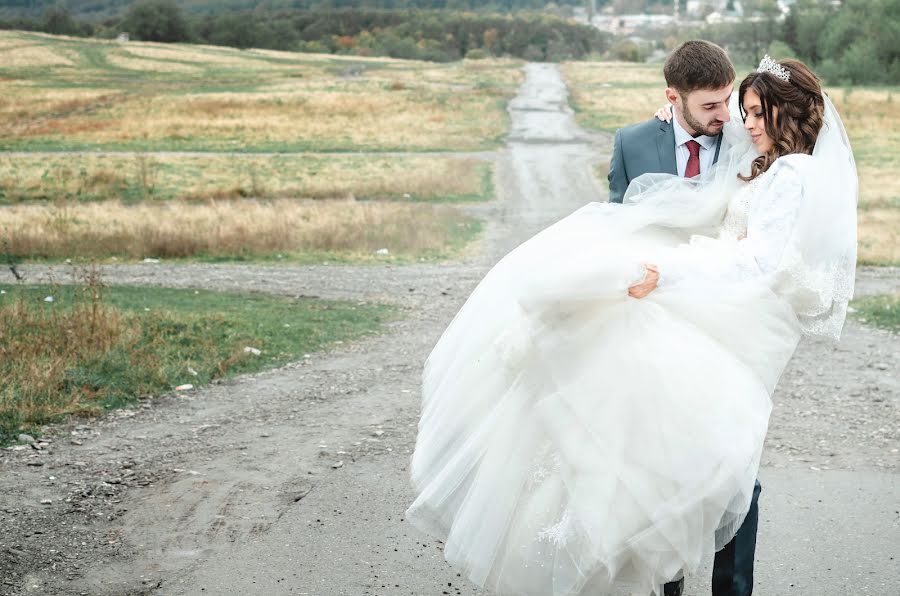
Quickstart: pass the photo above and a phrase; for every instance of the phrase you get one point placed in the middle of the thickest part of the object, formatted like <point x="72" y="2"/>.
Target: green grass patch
<point x="93" y="348"/>
<point x="882" y="311"/>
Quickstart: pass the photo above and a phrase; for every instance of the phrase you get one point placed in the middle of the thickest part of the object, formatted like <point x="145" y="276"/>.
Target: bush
<point x="779" y="50"/>
<point x="156" y="20"/>
<point x="313" y="47"/>
<point x="58" y="21"/>
<point x="476" y="54"/>
<point x="627" y="51"/>
<point x="859" y="63"/>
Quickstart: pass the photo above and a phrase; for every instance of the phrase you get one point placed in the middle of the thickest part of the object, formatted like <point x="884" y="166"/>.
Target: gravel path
<point x="294" y="481"/>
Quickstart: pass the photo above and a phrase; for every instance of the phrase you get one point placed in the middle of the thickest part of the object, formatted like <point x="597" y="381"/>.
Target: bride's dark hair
<point x="801" y="109"/>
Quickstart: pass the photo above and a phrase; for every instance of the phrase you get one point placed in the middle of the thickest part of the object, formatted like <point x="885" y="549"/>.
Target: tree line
<point x="856" y="41"/>
<point x="439" y="36"/>
<point x="97" y="10"/>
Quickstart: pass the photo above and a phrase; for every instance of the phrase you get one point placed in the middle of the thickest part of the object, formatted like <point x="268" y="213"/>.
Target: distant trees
<point x="156" y="20"/>
<point x="423" y="35"/>
<point x="235" y="30"/>
<point x="58" y="21"/>
<point x="859" y="42"/>
<point x="855" y="41"/>
<point x="102" y="10"/>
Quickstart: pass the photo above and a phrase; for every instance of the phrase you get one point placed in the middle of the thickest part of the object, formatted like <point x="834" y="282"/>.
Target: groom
<point x="700" y="81"/>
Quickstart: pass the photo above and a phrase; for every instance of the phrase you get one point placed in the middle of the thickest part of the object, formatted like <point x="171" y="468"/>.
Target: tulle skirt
<point x="574" y="440"/>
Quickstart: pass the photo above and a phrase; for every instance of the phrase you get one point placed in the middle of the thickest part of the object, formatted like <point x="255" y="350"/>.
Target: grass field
<point x="94" y="348"/>
<point x="241" y="229"/>
<point x="607" y="96"/>
<point x="138" y="177"/>
<point x="295" y="207"/>
<point x="59" y="93"/>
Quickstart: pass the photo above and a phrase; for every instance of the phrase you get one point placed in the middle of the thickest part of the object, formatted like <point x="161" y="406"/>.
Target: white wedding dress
<point x="575" y="441"/>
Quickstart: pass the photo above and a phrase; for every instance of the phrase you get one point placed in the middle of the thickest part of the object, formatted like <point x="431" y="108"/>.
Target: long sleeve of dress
<point x="771" y="205"/>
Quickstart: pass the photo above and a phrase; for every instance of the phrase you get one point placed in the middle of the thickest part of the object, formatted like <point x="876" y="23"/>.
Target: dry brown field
<point x="66" y="93"/>
<point x="132" y="177"/>
<point x="98" y="130"/>
<point x="293" y="229"/>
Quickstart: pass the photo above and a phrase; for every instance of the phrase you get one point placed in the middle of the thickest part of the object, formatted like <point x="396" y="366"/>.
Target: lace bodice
<point x="766" y="234"/>
<point x="734" y="224"/>
<point x="755" y="230"/>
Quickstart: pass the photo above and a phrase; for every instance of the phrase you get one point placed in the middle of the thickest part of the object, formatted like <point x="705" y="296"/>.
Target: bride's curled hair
<point x="794" y="111"/>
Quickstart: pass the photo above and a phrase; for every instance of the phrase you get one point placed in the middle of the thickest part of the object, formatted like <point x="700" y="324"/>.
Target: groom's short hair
<point x="698" y="64"/>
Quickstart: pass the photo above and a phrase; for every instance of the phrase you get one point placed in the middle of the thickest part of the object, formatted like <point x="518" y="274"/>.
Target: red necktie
<point x="693" y="164"/>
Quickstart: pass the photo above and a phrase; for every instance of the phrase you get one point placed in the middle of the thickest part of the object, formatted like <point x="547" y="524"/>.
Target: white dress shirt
<point x="707" y="149"/>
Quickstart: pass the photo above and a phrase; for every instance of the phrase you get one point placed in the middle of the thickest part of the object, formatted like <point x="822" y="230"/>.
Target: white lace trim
<point x="762" y="219"/>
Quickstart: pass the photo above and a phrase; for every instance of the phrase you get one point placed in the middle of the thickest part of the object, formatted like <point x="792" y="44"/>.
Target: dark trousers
<point x="733" y="567"/>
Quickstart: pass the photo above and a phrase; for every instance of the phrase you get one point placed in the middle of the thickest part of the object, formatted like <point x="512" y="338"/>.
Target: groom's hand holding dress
<point x="646" y="285"/>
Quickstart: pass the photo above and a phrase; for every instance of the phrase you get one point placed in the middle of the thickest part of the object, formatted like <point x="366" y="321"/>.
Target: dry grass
<point x="251" y="100"/>
<point x="872" y="122"/>
<point x="615" y="74"/>
<point x="608" y="96"/>
<point x="468" y="73"/>
<point x="232" y="229"/>
<point x="361" y="115"/>
<point x="32" y="56"/>
<point x="94" y="347"/>
<point x="19" y="102"/>
<point x="9" y="41"/>
<point x="89" y="177"/>
<point x="879" y="236"/>
<point x="38" y="345"/>
<point x="201" y="55"/>
<point x="125" y="60"/>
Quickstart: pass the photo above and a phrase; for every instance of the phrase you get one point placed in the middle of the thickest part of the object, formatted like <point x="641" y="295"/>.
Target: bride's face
<point x="755" y="121"/>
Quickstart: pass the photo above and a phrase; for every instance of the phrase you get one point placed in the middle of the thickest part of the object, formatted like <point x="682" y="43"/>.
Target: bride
<point x="593" y="418"/>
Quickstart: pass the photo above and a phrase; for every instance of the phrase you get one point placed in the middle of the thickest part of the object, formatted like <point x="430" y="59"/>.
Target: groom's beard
<point x="710" y="129"/>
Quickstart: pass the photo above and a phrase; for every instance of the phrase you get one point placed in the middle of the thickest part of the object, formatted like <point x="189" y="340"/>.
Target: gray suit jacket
<point x="648" y="147"/>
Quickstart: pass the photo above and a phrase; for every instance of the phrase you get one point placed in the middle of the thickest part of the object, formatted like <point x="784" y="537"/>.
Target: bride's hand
<point x="664" y="113"/>
<point x="648" y="284"/>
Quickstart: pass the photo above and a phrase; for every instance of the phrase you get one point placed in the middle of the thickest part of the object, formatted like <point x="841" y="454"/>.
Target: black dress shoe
<point x="674" y="588"/>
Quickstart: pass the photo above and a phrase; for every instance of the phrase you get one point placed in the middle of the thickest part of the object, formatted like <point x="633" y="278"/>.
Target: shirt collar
<point x="682" y="136"/>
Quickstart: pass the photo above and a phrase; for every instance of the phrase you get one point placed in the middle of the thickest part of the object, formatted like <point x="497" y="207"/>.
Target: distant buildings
<point x="696" y="11"/>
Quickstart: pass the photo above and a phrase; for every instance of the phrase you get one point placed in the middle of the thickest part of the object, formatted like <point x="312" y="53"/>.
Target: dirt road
<point x="294" y="481"/>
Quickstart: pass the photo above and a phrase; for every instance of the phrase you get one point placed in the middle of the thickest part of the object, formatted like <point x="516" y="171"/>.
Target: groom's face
<point x="702" y="111"/>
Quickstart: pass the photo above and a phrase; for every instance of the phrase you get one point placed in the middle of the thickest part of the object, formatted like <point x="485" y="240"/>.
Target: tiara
<point x="770" y="66"/>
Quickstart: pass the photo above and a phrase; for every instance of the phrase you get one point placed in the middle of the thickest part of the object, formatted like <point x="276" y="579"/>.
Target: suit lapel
<point x="718" y="147"/>
<point x="665" y="147"/>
